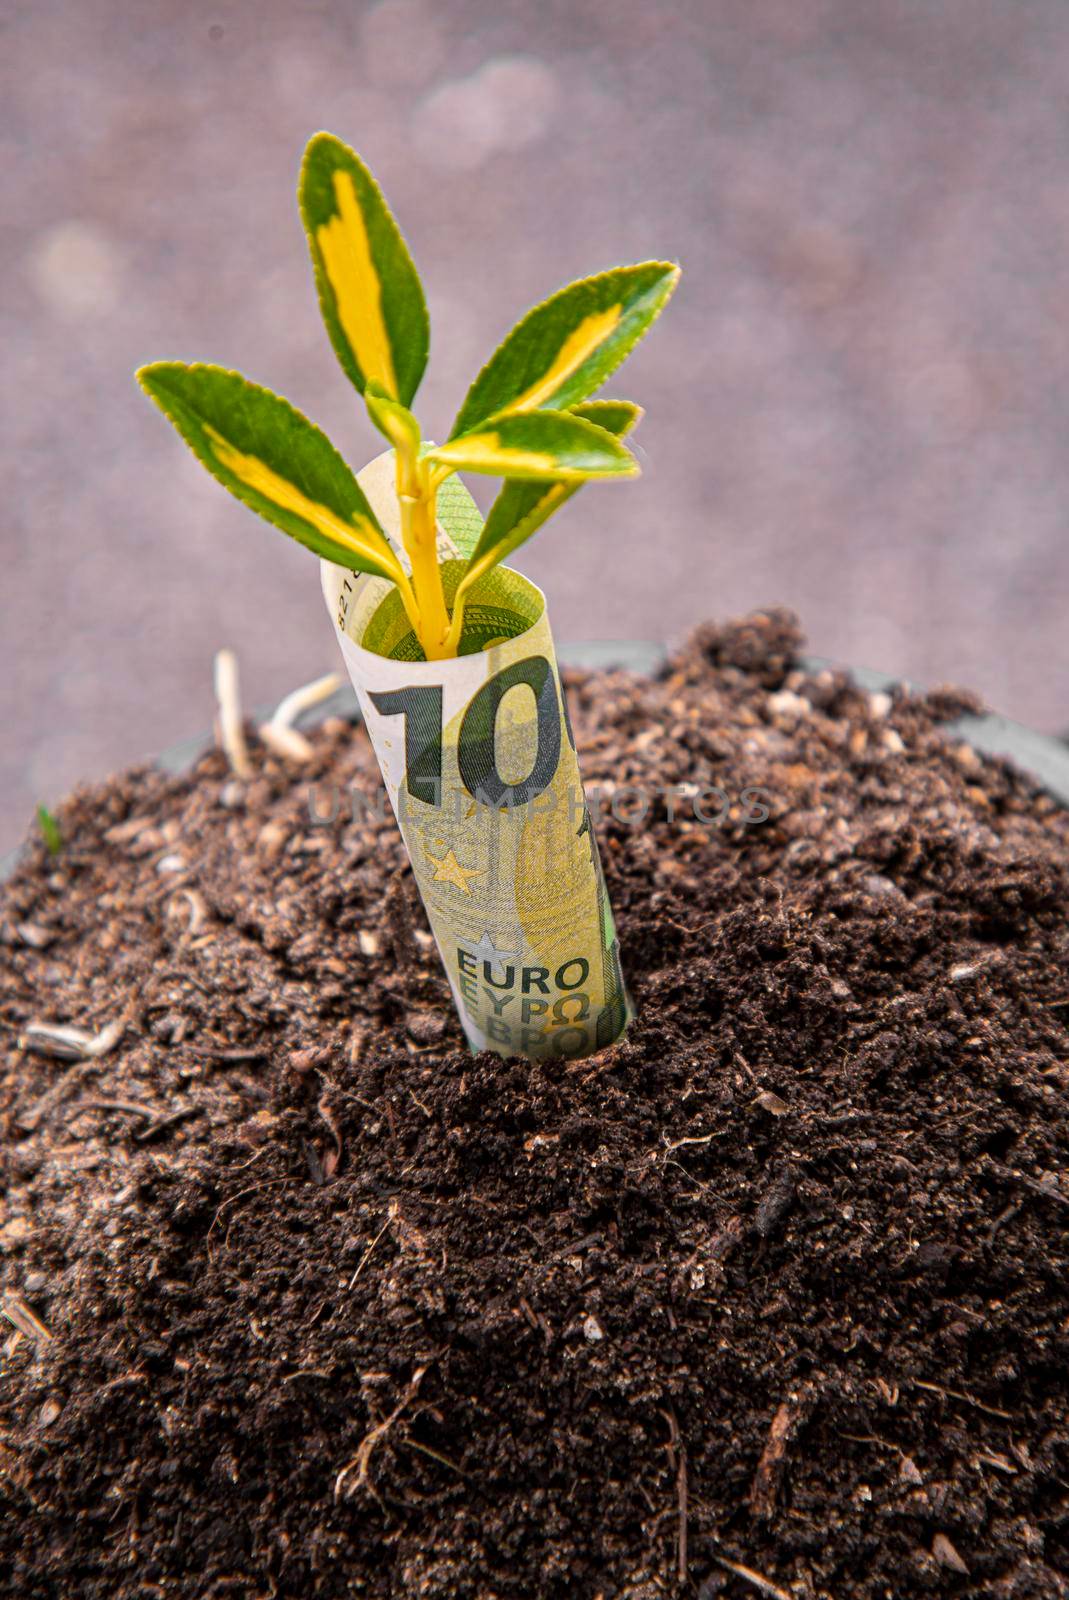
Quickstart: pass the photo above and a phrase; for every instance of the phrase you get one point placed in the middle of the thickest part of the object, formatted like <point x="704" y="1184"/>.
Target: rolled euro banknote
<point x="478" y="759"/>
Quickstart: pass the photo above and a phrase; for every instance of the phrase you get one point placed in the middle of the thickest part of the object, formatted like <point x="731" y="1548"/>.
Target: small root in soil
<point x="361" y="1462"/>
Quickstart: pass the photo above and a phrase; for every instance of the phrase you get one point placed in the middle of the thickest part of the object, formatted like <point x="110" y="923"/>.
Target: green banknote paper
<point x="479" y="763"/>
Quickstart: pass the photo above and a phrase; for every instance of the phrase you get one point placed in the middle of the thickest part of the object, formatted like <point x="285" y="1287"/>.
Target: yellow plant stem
<point x="456" y="626"/>
<point x="417" y="493"/>
<point x="471" y="577"/>
<point x="408" y="599"/>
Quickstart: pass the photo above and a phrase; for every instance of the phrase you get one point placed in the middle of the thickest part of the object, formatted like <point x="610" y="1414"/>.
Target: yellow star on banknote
<point x="447" y="869"/>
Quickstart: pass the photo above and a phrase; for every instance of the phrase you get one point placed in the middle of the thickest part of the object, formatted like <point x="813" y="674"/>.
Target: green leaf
<point x="273" y="459"/>
<point x="566" y="347"/>
<point x="369" y="290"/>
<point x="538" y="444"/>
<point x="617" y="416"/>
<point x="49" y="831"/>
<point x="392" y="419"/>
<point x="522" y="507"/>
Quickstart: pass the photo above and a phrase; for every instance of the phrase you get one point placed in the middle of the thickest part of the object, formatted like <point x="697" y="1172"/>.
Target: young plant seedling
<point x="50" y="831"/>
<point x="527" y="418"/>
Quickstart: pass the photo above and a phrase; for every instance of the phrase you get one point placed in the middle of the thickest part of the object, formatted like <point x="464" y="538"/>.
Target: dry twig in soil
<point x="756" y="1579"/>
<point x="279" y="733"/>
<point x="19" y="1314"/>
<point x="231" y="727"/>
<point x="785" y="1424"/>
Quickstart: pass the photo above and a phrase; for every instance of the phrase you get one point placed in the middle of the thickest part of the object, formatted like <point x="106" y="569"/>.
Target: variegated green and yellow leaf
<point x="522" y="507"/>
<point x="569" y="345"/>
<point x="369" y="289"/>
<point x="618" y="417"/>
<point x="273" y="459"/>
<point x="538" y="444"/>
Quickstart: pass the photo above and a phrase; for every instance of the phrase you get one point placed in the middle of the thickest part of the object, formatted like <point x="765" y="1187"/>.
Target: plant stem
<point x="408" y="600"/>
<point x="456" y="626"/>
<point x="417" y="495"/>
<point x="474" y="571"/>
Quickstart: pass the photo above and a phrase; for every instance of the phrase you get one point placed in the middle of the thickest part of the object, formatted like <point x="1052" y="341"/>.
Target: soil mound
<point x="768" y="1299"/>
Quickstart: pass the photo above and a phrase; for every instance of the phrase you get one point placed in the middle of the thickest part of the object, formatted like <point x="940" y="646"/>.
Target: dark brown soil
<point x="769" y="1299"/>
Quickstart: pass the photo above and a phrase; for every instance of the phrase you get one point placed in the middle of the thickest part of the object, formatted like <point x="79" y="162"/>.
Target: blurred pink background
<point x="857" y="403"/>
